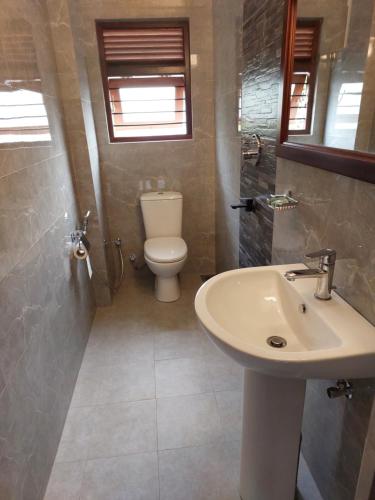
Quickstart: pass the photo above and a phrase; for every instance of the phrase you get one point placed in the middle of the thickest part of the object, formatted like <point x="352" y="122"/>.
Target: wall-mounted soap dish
<point x="280" y="202"/>
<point x="276" y="202"/>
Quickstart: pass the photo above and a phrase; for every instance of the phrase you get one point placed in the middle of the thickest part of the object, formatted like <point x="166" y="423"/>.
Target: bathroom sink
<point x="241" y="309"/>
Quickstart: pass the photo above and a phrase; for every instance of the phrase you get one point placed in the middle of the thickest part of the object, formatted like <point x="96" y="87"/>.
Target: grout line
<point x="147" y="452"/>
<point x="186" y="395"/>
<point x="156" y="415"/>
<point x="31" y="165"/>
<point x="108" y="457"/>
<point x="157" y="441"/>
<point x="114" y="403"/>
<point x="82" y="479"/>
<point x="221" y="440"/>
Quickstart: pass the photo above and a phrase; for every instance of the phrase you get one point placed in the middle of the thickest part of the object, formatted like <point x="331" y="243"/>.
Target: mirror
<point x="332" y="86"/>
<point x="23" y="110"/>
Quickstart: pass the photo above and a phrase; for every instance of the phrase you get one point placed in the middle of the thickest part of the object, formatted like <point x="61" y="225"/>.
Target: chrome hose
<point x="117" y="242"/>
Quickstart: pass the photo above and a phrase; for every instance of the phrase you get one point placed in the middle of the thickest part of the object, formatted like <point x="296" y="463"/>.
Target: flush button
<point x="277" y="342"/>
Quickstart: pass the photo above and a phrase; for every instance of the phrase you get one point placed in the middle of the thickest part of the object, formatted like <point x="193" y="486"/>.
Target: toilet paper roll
<point x="81" y="249"/>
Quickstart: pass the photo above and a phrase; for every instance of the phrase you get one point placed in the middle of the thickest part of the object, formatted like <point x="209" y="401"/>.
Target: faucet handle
<point x="326" y="255"/>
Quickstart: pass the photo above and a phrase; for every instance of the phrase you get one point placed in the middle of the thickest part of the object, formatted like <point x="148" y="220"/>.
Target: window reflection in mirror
<point x="332" y="92"/>
<point x="23" y="115"/>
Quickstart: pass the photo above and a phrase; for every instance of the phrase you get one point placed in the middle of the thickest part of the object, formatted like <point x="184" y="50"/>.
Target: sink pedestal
<point x="272" y="419"/>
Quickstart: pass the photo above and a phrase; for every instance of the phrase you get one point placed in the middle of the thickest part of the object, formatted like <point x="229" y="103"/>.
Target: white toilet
<point x="165" y="251"/>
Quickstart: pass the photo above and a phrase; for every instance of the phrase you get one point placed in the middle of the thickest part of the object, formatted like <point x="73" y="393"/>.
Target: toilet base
<point x="167" y="289"/>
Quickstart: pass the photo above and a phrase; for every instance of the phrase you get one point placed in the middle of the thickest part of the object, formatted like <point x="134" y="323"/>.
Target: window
<point x="146" y="79"/>
<point x="302" y="92"/>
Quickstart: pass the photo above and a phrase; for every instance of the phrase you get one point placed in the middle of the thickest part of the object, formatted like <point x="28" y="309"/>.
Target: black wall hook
<point x="246" y="203"/>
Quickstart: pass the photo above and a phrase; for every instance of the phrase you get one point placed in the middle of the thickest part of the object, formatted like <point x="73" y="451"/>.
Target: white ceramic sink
<point x="241" y="309"/>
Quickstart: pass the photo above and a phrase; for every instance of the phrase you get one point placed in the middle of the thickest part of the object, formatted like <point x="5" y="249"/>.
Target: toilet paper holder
<point x="80" y="243"/>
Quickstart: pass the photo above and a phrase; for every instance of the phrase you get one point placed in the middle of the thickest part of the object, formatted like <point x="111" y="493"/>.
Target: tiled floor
<point x="156" y="412"/>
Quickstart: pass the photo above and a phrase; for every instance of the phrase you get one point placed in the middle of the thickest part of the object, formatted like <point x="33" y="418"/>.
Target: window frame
<point x="149" y="68"/>
<point x="309" y="66"/>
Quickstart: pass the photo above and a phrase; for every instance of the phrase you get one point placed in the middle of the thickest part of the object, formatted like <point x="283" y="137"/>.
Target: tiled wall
<point x="46" y="303"/>
<point x="335" y="212"/>
<point x="366" y="481"/>
<point x="262" y="39"/>
<point x="227" y="64"/>
<point x="186" y="166"/>
<point x="81" y="137"/>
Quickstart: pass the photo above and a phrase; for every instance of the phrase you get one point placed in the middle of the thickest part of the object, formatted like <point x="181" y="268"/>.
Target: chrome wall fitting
<point x="252" y="150"/>
<point x="77" y="235"/>
<point x="343" y="388"/>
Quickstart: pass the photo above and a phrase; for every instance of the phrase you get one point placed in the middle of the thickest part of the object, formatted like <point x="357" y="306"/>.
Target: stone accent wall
<point x="262" y="42"/>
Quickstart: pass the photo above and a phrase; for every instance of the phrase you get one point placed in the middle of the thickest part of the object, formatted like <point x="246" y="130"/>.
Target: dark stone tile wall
<point x="262" y="42"/>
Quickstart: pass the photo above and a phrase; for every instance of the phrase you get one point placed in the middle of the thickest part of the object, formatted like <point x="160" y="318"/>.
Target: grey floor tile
<point x="230" y="411"/>
<point x="109" y="430"/>
<point x="132" y="477"/>
<point x="118" y="348"/>
<point x="65" y="481"/>
<point x="307" y="488"/>
<point x="197" y="473"/>
<point x="176" y="377"/>
<point x="117" y="383"/>
<point x="226" y="374"/>
<point x="233" y="454"/>
<point x="180" y="344"/>
<point x="115" y="424"/>
<point x="187" y="421"/>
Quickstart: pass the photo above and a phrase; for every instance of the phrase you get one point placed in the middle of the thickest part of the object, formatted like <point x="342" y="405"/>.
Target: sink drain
<point x="276" y="341"/>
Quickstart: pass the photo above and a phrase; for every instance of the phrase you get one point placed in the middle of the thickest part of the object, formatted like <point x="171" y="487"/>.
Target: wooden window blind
<point x="302" y="91"/>
<point x="146" y="79"/>
<point x="305" y="42"/>
<point x="144" y="45"/>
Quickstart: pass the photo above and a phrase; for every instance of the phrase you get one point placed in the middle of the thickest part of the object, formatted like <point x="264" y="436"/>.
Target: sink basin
<point x="241" y="309"/>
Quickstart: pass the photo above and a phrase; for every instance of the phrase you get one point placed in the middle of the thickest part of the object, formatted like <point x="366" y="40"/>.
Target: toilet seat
<point x="165" y="249"/>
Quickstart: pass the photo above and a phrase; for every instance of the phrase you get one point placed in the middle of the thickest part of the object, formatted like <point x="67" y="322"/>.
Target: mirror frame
<point x="356" y="164"/>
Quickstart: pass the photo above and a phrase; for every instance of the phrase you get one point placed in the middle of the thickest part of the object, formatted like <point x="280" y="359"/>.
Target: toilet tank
<point x="162" y="214"/>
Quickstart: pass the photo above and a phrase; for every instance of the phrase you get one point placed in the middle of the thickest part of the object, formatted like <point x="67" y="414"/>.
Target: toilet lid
<point x="166" y="249"/>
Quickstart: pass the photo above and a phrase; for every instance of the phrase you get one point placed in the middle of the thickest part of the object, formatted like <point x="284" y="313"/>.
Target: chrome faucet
<point x="324" y="274"/>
